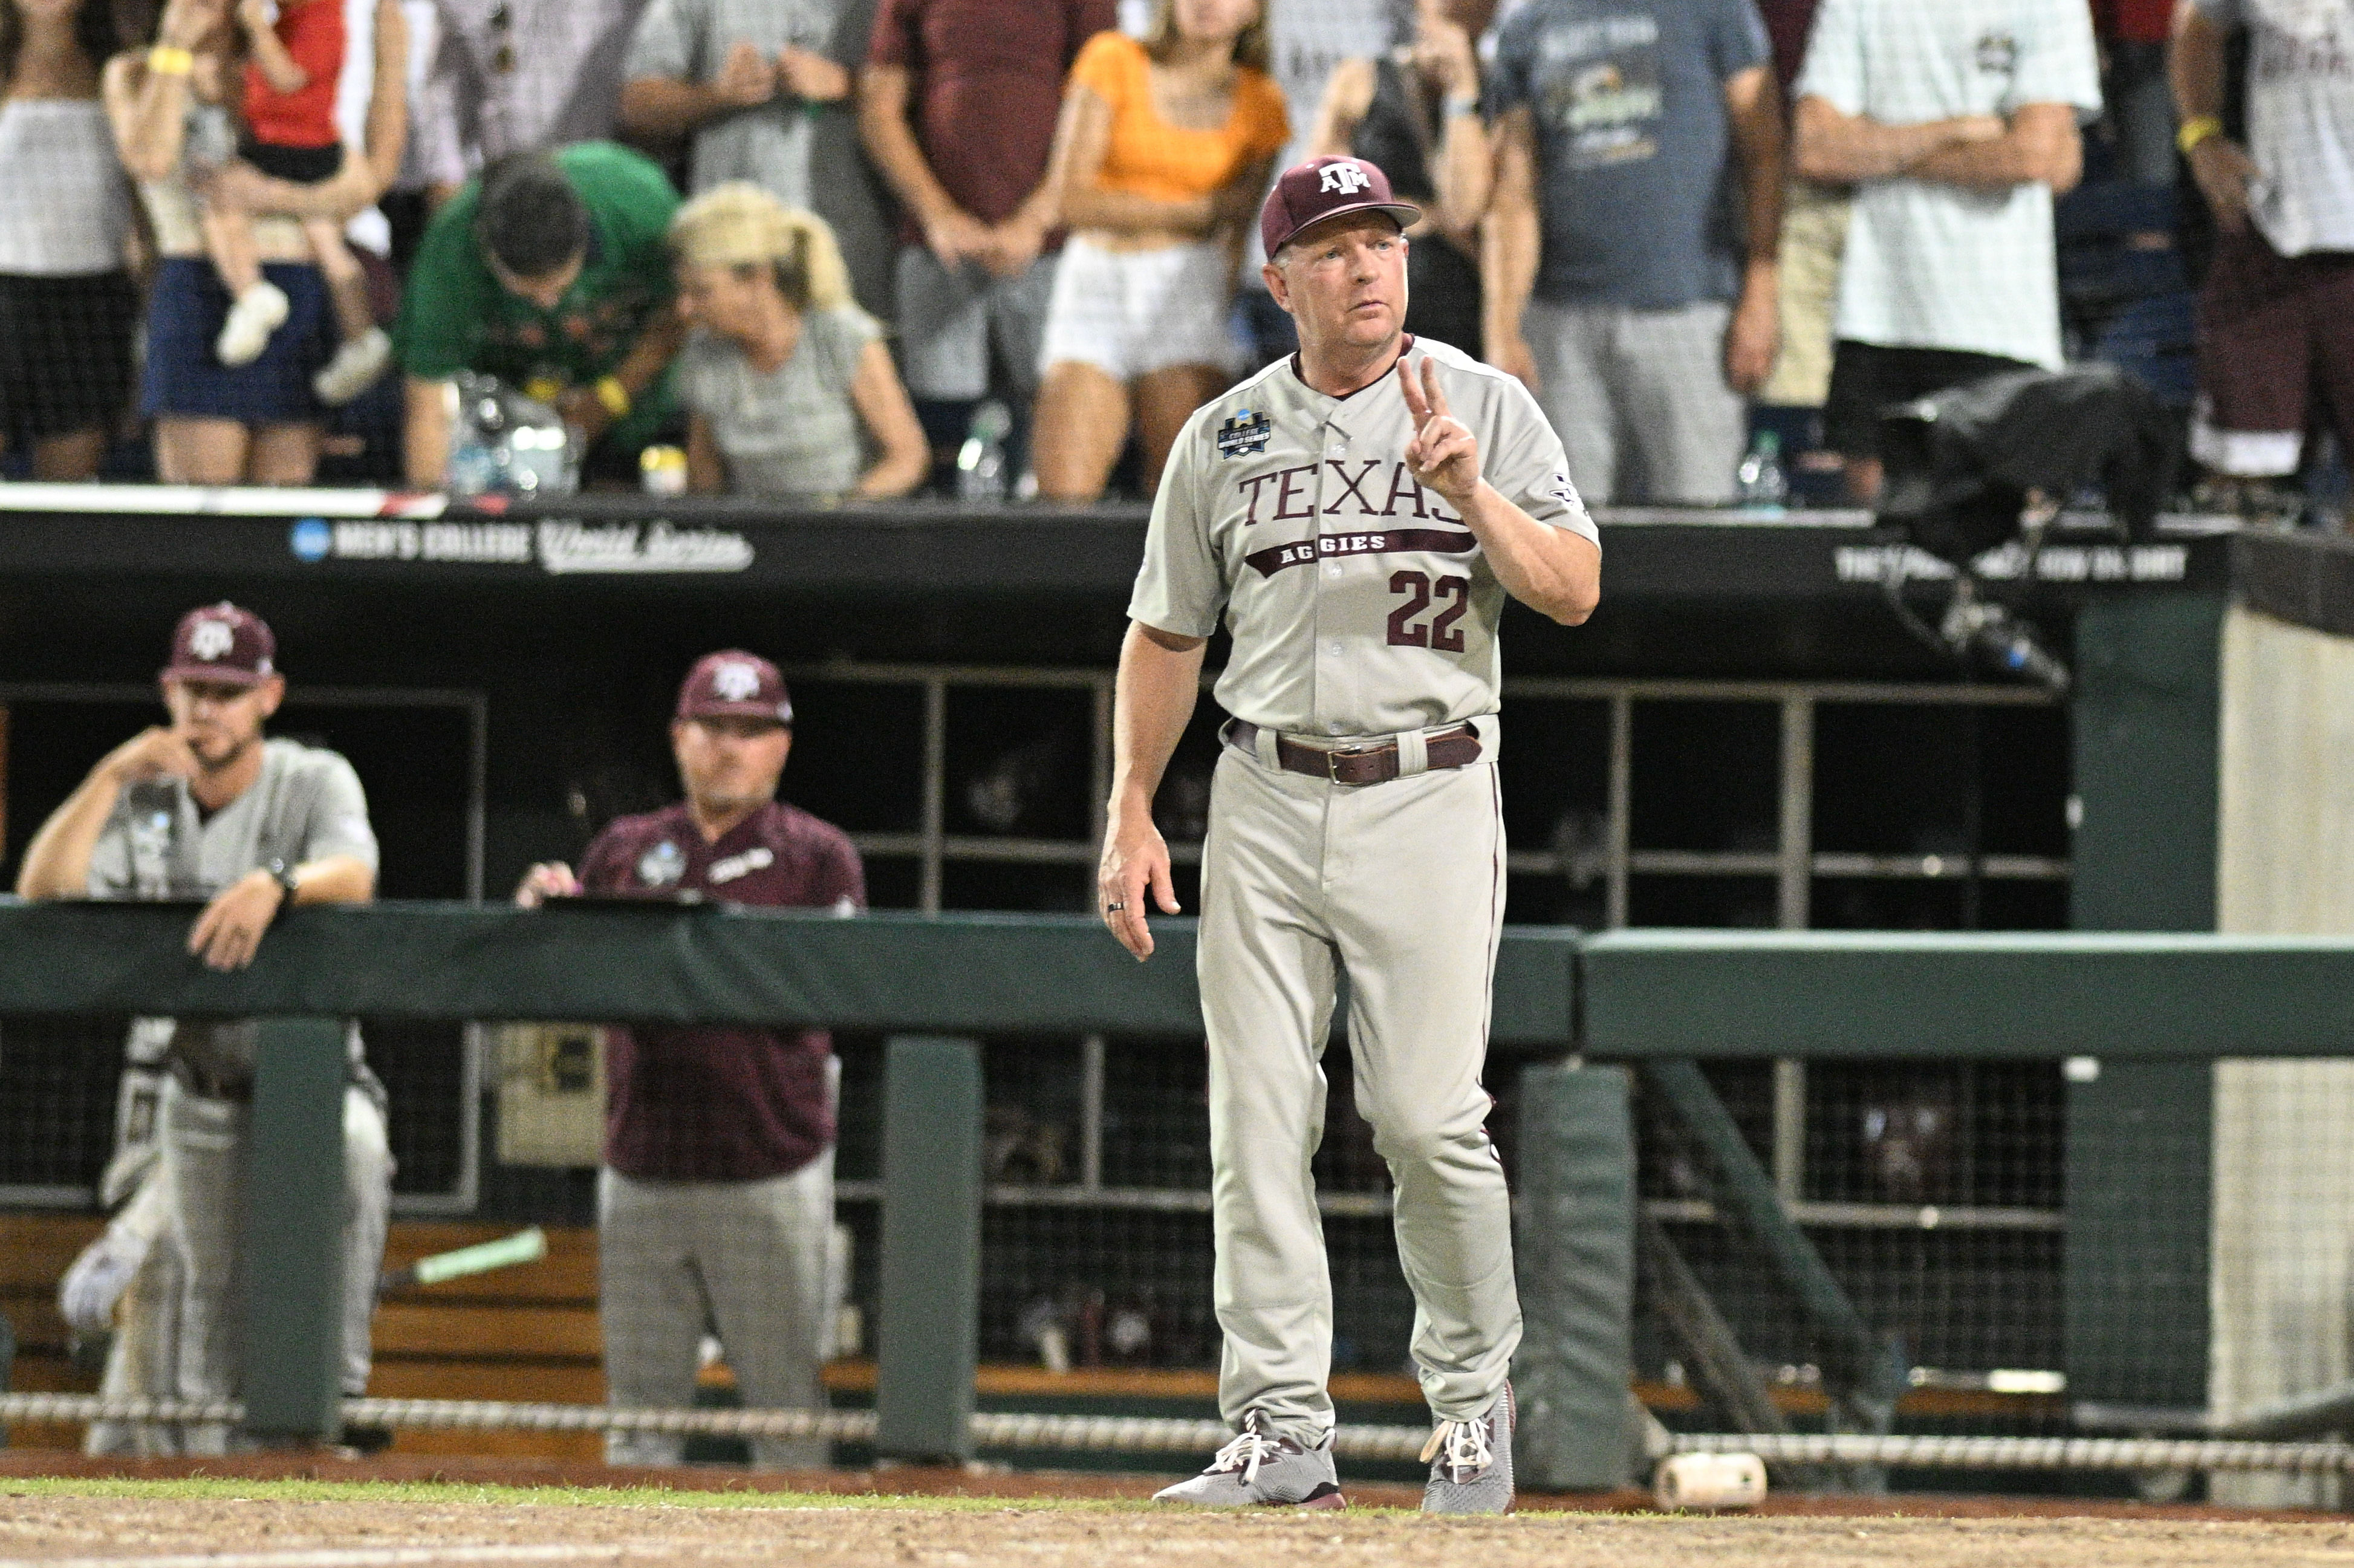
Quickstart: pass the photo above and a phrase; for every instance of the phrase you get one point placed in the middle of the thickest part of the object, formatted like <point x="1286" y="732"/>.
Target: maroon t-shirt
<point x="720" y="1103"/>
<point x="985" y="82"/>
<point x="1788" y="22"/>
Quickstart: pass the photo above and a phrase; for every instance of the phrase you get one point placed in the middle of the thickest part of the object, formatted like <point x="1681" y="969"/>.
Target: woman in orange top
<point x="1162" y="153"/>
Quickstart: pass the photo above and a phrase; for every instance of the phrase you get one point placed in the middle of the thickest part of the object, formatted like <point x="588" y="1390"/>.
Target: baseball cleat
<point x="1472" y="1462"/>
<point x="1258" y="1471"/>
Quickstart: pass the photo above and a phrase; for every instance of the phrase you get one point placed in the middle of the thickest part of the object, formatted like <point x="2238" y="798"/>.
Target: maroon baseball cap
<point x="224" y="645"/>
<point x="1326" y="187"/>
<point x="735" y="684"/>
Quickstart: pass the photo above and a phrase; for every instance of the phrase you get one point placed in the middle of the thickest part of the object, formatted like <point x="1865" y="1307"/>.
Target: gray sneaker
<point x="1256" y="1470"/>
<point x="1472" y="1462"/>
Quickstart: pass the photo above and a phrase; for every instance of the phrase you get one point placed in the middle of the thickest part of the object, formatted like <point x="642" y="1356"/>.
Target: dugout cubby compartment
<point x="1887" y="904"/>
<point x="1156" y="1118"/>
<point x="1983" y="1134"/>
<point x="1675" y="900"/>
<point x="894" y="881"/>
<point x="851" y="762"/>
<point x="1900" y="779"/>
<point x="58" y="1082"/>
<point x="1068" y="888"/>
<point x="1035" y="1095"/>
<point x="1705" y="776"/>
<point x="1019" y="762"/>
<point x="1555" y="772"/>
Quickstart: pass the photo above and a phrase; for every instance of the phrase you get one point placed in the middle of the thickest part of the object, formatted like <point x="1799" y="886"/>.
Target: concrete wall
<point x="2280" y="1290"/>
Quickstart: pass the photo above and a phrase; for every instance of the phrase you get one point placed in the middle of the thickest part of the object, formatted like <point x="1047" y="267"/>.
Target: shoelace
<point x="1465" y="1445"/>
<point x="1244" y="1454"/>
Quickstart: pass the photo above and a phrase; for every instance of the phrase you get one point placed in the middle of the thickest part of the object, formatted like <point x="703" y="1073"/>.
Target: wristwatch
<point x="283" y="875"/>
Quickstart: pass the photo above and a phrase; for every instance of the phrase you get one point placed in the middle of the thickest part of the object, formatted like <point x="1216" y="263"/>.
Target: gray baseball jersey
<point x="1359" y="603"/>
<point x="306" y="805"/>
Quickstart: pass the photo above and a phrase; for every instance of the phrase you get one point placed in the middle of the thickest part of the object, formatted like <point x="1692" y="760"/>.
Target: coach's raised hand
<point x="1443" y="455"/>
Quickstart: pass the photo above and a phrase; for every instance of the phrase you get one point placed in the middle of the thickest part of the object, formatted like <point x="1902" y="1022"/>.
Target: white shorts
<point x="1131" y="313"/>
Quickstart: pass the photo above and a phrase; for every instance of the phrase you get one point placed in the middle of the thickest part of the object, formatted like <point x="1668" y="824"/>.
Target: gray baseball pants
<point x="1402" y="883"/>
<point x="743" y="1260"/>
<point x="204" y="1142"/>
<point x="1640" y="394"/>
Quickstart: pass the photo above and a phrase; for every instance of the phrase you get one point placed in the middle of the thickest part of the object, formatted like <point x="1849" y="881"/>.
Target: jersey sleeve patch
<point x="1244" y="435"/>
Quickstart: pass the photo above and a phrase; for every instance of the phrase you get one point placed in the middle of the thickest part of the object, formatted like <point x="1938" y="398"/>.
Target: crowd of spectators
<point x="809" y="241"/>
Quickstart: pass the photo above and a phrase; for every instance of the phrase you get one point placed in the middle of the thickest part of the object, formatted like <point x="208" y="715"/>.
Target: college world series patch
<point x="1245" y="434"/>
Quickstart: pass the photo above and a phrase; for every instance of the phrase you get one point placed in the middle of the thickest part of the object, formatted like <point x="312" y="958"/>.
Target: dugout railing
<point x="1658" y="1000"/>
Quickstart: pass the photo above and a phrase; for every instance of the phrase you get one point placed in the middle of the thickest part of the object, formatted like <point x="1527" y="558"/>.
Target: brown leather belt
<point x="1374" y="764"/>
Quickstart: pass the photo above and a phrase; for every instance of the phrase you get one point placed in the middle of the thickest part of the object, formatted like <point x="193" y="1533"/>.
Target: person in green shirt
<point x="550" y="271"/>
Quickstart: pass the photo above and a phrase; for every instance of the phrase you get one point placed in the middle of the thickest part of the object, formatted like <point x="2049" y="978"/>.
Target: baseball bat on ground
<point x="524" y="1246"/>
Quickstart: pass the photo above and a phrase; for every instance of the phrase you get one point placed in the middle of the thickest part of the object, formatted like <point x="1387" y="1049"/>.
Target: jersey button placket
<point x="1332" y="442"/>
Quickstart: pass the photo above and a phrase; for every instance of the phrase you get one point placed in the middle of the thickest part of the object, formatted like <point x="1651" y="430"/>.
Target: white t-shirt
<point x="2300" y="117"/>
<point x="1931" y="265"/>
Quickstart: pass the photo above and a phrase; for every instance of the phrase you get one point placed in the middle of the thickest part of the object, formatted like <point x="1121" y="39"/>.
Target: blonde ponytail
<point x="741" y="225"/>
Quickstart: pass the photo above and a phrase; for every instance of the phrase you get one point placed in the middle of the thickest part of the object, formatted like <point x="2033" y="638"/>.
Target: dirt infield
<point x="229" y="1532"/>
<point x="228" y="1523"/>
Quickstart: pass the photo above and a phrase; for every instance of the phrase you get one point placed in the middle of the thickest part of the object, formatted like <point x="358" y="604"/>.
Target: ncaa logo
<point x="211" y="639"/>
<point x="735" y="681"/>
<point x="1342" y="179"/>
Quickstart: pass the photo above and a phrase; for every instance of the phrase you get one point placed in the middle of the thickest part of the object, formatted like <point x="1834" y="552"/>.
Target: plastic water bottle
<point x="981" y="462"/>
<point x="1762" y="485"/>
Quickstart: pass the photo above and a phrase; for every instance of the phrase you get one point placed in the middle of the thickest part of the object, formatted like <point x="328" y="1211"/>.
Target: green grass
<point x="223" y="1487"/>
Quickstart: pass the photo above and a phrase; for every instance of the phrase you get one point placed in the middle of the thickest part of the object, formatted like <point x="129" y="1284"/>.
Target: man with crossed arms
<point x="1359" y="537"/>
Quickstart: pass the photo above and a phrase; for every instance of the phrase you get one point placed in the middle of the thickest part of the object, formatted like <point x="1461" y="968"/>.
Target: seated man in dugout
<point x="552" y="273"/>
<point x="714" y="1208"/>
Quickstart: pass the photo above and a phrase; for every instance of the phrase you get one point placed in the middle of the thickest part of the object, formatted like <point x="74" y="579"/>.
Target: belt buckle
<point x="1334" y="757"/>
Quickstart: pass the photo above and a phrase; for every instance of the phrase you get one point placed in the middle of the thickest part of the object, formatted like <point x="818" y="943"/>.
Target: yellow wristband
<point x="165" y="60"/>
<point x="2195" y="130"/>
<point x="614" y="396"/>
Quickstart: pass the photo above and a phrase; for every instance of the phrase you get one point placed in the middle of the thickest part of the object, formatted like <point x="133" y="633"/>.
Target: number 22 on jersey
<point x="1439" y="633"/>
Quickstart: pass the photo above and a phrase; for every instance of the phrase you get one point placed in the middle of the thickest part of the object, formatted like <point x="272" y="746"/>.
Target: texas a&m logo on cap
<point x="211" y="639"/>
<point x="1324" y="188"/>
<point x="733" y="683"/>
<point x="735" y="680"/>
<point x="222" y="644"/>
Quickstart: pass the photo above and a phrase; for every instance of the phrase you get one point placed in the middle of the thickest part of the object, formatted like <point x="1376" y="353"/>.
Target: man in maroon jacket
<point x="715" y="1209"/>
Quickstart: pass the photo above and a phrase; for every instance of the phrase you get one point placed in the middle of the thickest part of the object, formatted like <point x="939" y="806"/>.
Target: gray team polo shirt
<point x="306" y="805"/>
<point x="1360" y="604"/>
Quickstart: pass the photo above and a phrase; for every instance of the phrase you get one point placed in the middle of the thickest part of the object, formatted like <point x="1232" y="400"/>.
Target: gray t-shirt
<point x="689" y="40"/>
<point x="1638" y="185"/>
<point x="792" y="432"/>
<point x="307" y="805"/>
<point x="806" y="154"/>
<point x="1360" y="605"/>
<point x="2300" y="118"/>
